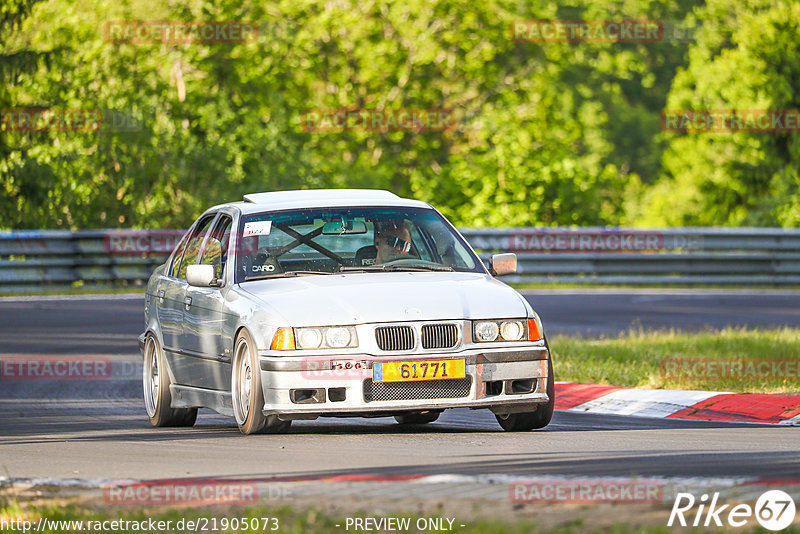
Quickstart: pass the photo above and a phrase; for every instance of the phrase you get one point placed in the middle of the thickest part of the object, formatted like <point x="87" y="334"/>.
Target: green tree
<point x="15" y="63"/>
<point x="745" y="59"/>
<point x="546" y="133"/>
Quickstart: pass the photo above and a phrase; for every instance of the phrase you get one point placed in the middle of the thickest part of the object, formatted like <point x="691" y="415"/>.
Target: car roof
<point x="321" y="198"/>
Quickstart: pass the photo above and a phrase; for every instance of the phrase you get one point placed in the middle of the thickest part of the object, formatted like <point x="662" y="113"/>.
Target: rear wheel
<point x="155" y="385"/>
<point x="417" y="418"/>
<point x="521" y="422"/>
<point x="247" y="393"/>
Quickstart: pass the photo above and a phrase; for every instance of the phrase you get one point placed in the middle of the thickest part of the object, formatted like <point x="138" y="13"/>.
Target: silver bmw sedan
<point x="338" y="303"/>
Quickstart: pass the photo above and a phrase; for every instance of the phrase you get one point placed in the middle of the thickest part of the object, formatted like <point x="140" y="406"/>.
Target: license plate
<point x="418" y="370"/>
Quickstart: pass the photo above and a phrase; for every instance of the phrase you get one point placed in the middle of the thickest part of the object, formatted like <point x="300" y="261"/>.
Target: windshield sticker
<point x="257" y="228"/>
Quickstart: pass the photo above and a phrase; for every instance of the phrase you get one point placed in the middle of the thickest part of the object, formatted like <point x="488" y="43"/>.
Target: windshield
<point x="333" y="240"/>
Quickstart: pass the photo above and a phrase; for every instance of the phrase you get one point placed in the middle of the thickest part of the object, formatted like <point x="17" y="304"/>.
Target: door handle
<point x="187" y="302"/>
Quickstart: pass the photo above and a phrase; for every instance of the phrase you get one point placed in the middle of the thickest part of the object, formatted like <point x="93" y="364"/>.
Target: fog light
<point x="307" y="396"/>
<point x="337" y="394"/>
<point x="520" y="387"/>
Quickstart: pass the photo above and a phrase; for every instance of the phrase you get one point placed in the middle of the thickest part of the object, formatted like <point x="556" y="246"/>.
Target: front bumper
<point x="503" y="380"/>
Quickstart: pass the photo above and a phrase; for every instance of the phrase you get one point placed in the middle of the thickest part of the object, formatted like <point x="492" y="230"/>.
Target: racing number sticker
<point x="257" y="228"/>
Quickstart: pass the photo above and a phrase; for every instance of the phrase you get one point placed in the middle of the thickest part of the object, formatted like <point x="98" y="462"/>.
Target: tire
<point x="247" y="394"/>
<point x="417" y="418"/>
<point x="155" y="387"/>
<point x="522" y="422"/>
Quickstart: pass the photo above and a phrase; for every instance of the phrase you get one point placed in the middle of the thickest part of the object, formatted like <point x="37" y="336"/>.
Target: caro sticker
<point x="257" y="228"/>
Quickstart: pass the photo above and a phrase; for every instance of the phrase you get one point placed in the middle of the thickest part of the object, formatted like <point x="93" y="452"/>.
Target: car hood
<point x="356" y="298"/>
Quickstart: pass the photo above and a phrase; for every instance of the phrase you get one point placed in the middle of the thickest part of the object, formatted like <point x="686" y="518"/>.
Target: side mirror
<point x="503" y="264"/>
<point x="201" y="275"/>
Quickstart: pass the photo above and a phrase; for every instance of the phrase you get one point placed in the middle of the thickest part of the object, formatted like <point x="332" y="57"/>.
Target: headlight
<point x="331" y="337"/>
<point x="337" y="337"/>
<point x="308" y="338"/>
<point x="506" y="330"/>
<point x="512" y="330"/>
<point x="486" y="331"/>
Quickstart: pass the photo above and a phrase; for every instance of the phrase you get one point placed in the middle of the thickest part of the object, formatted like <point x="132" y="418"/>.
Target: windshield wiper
<point x="389" y="267"/>
<point x="287" y="274"/>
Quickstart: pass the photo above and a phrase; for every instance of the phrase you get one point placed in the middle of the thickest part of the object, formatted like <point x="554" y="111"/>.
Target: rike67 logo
<point x="774" y="510"/>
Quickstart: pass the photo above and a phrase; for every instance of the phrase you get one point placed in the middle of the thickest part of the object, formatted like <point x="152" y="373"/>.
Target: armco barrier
<point x="655" y="256"/>
<point x="34" y="260"/>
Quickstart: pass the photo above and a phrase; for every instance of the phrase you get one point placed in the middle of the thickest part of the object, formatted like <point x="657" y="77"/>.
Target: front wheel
<point x="521" y="422"/>
<point x="247" y="393"/>
<point x="155" y="385"/>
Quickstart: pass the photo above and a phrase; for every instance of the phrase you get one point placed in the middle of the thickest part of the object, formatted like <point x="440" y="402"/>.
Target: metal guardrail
<point x="40" y="260"/>
<point x="32" y="260"/>
<point x="742" y="256"/>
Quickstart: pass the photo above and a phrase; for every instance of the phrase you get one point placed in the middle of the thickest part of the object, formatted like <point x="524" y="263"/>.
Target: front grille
<point x="425" y="389"/>
<point x="395" y="337"/>
<point x="439" y="336"/>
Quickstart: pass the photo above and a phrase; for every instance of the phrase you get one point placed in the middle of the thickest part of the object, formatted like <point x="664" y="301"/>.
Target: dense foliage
<point x="546" y="133"/>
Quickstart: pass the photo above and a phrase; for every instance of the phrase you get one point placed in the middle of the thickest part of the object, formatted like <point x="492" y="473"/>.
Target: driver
<point x="392" y="241"/>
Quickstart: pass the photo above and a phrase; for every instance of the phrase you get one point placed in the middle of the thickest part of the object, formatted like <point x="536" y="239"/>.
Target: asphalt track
<point x="97" y="429"/>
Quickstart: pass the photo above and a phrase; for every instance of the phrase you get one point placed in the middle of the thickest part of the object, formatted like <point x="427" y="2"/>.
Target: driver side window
<point x="419" y="245"/>
<point x="192" y="247"/>
<point x="216" y="250"/>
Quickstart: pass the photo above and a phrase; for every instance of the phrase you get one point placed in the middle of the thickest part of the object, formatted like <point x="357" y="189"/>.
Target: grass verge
<point x="72" y="518"/>
<point x="649" y="285"/>
<point x="737" y="359"/>
<point x="69" y="291"/>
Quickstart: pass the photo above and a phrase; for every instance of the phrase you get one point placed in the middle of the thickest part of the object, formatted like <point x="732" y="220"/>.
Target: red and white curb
<point x="679" y="404"/>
